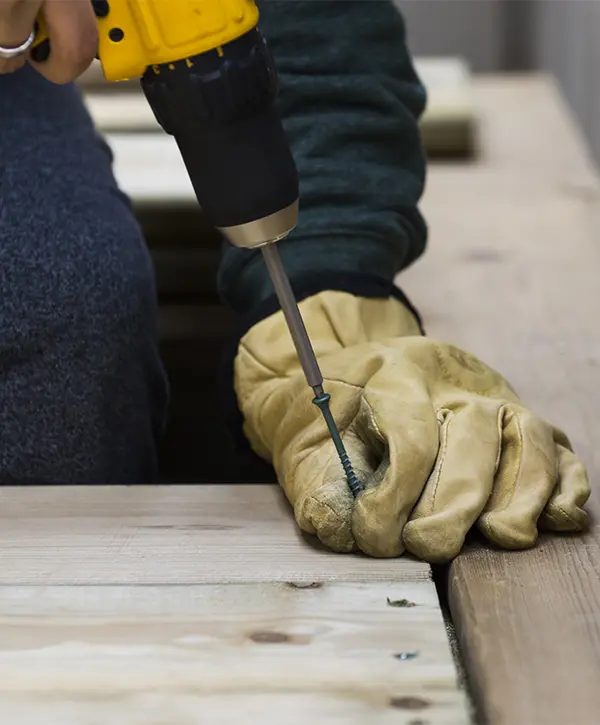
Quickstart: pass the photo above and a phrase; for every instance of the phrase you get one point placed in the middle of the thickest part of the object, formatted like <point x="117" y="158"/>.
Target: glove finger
<point x="327" y="509"/>
<point x="404" y="428"/>
<point x="564" y="511"/>
<point x="525" y="479"/>
<point x="460" y="485"/>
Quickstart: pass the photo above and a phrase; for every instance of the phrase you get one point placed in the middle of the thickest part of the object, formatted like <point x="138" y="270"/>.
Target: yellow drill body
<point x="157" y="32"/>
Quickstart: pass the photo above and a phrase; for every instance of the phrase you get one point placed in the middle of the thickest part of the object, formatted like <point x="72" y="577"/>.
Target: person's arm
<point x="440" y="441"/>
<point x="350" y="101"/>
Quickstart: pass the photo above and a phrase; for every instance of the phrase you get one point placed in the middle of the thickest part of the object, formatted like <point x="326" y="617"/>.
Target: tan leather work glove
<point x="440" y="441"/>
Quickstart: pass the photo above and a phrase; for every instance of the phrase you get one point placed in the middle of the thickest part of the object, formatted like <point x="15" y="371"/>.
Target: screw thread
<point x="353" y="482"/>
<point x="322" y="402"/>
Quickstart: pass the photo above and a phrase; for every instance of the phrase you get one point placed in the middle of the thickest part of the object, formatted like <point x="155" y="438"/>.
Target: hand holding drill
<point x="71" y="24"/>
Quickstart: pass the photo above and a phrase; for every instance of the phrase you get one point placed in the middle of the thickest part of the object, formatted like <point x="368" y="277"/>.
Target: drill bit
<point x="307" y="357"/>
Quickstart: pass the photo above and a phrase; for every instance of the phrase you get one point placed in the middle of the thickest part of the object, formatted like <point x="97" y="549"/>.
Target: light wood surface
<point x="269" y="652"/>
<point x="169" y="535"/>
<point x="149" y="168"/>
<point x="185" y="605"/>
<point x="449" y="123"/>
<point x="513" y="274"/>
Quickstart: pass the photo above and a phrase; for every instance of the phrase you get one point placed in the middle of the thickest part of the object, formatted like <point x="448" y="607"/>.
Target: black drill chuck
<point x="220" y="108"/>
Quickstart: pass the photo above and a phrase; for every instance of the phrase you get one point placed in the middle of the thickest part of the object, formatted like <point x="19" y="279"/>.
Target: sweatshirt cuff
<point x="329" y="258"/>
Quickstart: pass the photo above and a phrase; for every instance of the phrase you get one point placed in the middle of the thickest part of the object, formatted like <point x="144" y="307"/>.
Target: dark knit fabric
<point x="82" y="390"/>
<point x="350" y="102"/>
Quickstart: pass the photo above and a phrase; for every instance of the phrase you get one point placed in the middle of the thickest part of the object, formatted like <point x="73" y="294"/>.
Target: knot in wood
<point x="269" y="637"/>
<point x="409" y="703"/>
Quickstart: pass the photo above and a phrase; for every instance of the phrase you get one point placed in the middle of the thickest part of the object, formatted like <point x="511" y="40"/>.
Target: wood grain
<point x="237" y="653"/>
<point x="185" y="605"/>
<point x="169" y="535"/>
<point x="512" y="274"/>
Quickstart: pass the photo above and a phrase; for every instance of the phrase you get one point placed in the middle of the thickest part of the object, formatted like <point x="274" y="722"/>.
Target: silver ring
<point x="8" y="53"/>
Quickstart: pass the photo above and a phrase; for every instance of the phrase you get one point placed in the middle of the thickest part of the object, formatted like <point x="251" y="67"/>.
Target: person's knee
<point x="83" y="388"/>
<point x="82" y="385"/>
<point x="108" y="270"/>
<point x="84" y="265"/>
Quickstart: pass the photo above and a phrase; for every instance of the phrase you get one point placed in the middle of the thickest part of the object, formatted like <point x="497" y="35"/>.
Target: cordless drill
<point x="210" y="80"/>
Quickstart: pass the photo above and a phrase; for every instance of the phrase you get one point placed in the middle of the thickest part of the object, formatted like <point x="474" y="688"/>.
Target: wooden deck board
<point x="184" y="605"/>
<point x="264" y="652"/>
<point x="169" y="535"/>
<point x="513" y="274"/>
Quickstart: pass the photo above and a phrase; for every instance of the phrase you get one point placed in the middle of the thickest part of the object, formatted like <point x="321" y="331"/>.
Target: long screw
<point x="307" y="356"/>
<point x="322" y="402"/>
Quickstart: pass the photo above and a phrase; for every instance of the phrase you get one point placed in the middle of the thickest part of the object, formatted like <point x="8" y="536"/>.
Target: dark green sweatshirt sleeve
<point x="350" y="101"/>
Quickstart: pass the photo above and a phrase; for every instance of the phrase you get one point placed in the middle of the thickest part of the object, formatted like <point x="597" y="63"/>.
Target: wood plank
<point x="169" y="535"/>
<point x="512" y="274"/>
<point x="182" y="605"/>
<point x="150" y="170"/>
<point x="525" y="128"/>
<point x="449" y="123"/>
<point x="222" y="654"/>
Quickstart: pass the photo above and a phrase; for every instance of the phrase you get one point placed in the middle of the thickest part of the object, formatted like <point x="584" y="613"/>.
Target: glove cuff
<point x="250" y="466"/>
